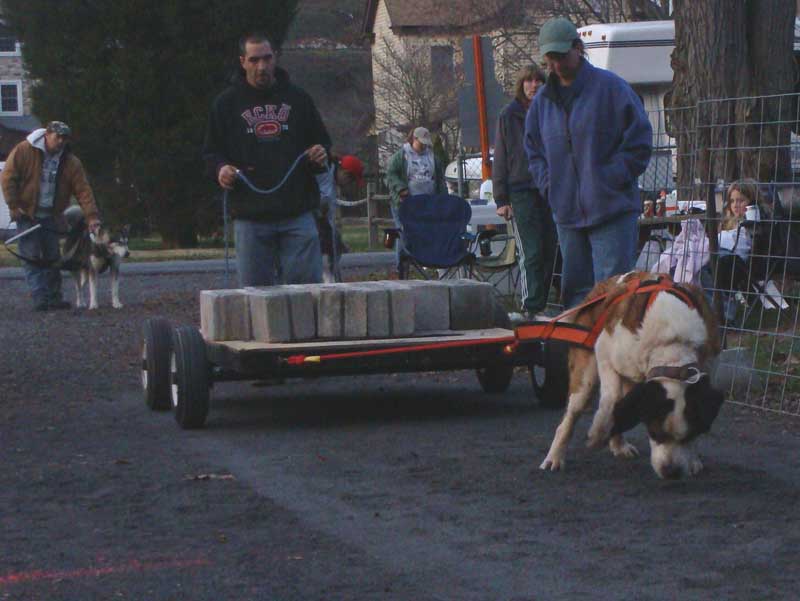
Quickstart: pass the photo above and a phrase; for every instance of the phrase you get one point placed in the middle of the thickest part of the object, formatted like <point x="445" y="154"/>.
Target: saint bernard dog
<point x="651" y="361"/>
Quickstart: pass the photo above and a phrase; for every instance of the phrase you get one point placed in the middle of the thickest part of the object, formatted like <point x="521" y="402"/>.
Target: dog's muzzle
<point x="689" y="373"/>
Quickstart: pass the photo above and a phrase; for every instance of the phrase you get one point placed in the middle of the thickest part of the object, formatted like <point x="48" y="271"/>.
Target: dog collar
<point x="689" y="373"/>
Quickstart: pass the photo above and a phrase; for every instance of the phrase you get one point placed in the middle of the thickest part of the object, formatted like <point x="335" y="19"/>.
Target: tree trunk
<point x="728" y="57"/>
<point x="175" y="221"/>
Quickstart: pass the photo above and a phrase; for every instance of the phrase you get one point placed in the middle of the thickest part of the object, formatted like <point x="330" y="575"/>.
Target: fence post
<point x="460" y="172"/>
<point x="371" y="214"/>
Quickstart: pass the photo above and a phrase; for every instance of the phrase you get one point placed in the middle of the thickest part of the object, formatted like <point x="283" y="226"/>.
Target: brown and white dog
<point x="93" y="254"/>
<point x="651" y="361"/>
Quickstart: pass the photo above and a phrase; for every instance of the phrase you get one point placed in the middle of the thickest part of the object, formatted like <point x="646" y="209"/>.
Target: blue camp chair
<point x="433" y="235"/>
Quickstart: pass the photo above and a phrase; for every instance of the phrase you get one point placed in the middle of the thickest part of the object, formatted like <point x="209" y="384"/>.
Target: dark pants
<point x="536" y="239"/>
<point x="41" y="245"/>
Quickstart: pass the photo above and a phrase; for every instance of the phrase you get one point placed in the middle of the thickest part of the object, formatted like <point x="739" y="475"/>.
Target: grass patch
<point x="150" y="249"/>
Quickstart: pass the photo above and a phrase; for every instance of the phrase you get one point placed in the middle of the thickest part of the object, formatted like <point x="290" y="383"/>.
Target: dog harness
<point x="587" y="336"/>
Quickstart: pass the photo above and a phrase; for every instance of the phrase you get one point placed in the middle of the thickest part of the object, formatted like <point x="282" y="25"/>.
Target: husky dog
<point x="92" y="253"/>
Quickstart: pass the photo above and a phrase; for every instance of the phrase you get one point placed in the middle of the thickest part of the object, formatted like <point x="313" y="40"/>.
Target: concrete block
<point x="379" y="317"/>
<point x="470" y="304"/>
<point x="269" y="315"/>
<point x="354" y="312"/>
<point x="431" y="304"/>
<point x="402" y="310"/>
<point x="329" y="303"/>
<point x="302" y="315"/>
<point x="225" y="315"/>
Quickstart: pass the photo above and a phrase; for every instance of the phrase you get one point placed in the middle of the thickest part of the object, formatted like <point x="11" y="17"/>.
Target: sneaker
<point x="535" y="316"/>
<point x="58" y="305"/>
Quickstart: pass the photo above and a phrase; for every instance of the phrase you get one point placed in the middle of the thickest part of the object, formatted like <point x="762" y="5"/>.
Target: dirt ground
<point x="381" y="487"/>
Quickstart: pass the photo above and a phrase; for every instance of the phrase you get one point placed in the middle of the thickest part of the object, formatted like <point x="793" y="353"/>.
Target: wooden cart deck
<point x="449" y="350"/>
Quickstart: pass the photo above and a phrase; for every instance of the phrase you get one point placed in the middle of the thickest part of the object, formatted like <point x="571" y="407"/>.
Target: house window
<point x="442" y="67"/>
<point x="8" y="44"/>
<point x="10" y="97"/>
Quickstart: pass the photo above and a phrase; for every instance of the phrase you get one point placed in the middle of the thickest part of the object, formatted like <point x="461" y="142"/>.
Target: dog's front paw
<point x="553" y="463"/>
<point x="93" y="306"/>
<point x="622" y="448"/>
<point x="117" y="304"/>
<point x="695" y="466"/>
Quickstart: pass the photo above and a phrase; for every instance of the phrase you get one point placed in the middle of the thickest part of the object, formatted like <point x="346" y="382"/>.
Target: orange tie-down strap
<point x="585" y="336"/>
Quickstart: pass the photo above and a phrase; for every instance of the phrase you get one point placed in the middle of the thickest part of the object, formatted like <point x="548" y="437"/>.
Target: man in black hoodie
<point x="259" y="126"/>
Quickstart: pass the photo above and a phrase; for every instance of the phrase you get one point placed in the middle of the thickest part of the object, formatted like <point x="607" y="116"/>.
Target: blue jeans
<point x="42" y="245"/>
<point x="594" y="254"/>
<point x="285" y="251"/>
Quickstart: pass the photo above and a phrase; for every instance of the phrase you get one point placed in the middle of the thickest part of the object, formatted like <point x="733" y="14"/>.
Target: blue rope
<point x="250" y="184"/>
<point x="257" y="190"/>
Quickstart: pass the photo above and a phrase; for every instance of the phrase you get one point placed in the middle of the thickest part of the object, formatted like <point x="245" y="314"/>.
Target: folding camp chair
<point x="497" y="262"/>
<point x="433" y="235"/>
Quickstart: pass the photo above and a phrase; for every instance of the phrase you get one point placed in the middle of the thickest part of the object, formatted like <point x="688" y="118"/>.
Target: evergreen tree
<point x="135" y="80"/>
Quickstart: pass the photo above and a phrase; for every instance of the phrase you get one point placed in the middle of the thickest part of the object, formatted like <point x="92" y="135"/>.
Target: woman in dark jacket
<point x="517" y="198"/>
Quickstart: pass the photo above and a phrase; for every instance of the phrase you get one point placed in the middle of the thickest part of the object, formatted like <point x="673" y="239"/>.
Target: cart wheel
<point x="190" y="377"/>
<point x="550" y="380"/>
<point x="156" y="347"/>
<point x="495" y="379"/>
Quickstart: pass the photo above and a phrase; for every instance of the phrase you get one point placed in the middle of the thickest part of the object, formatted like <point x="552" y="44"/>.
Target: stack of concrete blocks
<point x="351" y="311"/>
<point x="282" y="314"/>
<point x="225" y="315"/>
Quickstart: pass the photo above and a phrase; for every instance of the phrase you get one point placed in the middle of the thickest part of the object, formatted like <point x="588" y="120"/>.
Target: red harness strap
<point x="586" y="337"/>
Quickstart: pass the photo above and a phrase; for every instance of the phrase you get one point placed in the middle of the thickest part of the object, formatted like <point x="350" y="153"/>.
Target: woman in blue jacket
<point x="588" y="139"/>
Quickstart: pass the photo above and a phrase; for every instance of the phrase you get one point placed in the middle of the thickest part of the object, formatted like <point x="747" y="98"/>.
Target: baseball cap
<point x="423" y="135"/>
<point x="354" y="165"/>
<point x="557" y="35"/>
<point x="59" y="127"/>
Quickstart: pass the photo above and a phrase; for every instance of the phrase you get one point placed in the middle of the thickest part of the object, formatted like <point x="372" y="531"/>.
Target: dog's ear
<point x="643" y="403"/>
<point x="702" y="405"/>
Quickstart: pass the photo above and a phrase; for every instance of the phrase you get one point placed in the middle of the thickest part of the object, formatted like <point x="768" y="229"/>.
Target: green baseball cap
<point x="557" y="35"/>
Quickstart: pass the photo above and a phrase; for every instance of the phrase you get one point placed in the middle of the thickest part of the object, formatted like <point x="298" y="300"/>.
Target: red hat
<point x="354" y="165"/>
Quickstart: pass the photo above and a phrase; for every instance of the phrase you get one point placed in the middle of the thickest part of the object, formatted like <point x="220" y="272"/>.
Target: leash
<point x="41" y="263"/>
<point x="257" y="190"/>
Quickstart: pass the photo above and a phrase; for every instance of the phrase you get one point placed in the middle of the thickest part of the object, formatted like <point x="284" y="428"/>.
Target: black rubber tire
<point x="190" y="377"/>
<point x="550" y="380"/>
<point x="495" y="379"/>
<point x="156" y="347"/>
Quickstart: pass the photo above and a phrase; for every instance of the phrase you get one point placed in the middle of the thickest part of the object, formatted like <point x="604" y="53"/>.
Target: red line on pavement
<point x="131" y="566"/>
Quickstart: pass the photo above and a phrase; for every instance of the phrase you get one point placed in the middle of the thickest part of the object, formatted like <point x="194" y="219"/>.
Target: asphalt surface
<point x="397" y="487"/>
